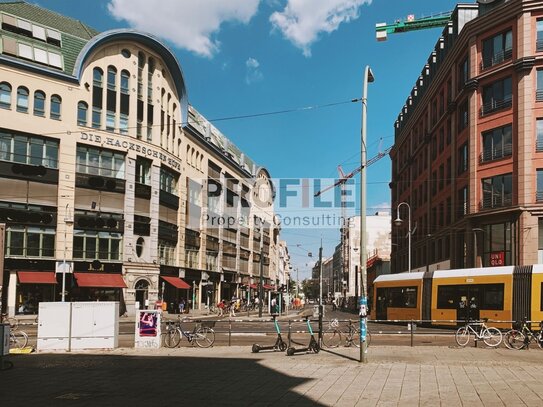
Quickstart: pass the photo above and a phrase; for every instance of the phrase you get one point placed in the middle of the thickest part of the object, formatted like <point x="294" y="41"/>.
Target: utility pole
<point x="261" y="285"/>
<point x="321" y="309"/>
<point x="2" y="234"/>
<point x="368" y="77"/>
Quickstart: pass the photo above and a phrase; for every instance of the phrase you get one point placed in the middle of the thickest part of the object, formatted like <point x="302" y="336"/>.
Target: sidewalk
<point x="224" y="376"/>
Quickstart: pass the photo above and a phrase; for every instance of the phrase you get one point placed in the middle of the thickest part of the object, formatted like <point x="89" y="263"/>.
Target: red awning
<point x="177" y="282"/>
<point x="268" y="287"/>
<point x="253" y="286"/>
<point x="37" y="277"/>
<point x="100" y="280"/>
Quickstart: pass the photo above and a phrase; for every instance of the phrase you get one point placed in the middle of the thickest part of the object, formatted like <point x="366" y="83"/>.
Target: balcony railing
<point x="539" y="45"/>
<point x="496" y="153"/>
<point x="495" y="105"/>
<point x="497" y="58"/>
<point x="539" y="196"/>
<point x="496" y="201"/>
<point x="539" y="95"/>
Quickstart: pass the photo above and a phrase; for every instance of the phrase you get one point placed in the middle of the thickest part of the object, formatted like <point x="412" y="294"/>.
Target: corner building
<point x="105" y="170"/>
<point x="468" y="154"/>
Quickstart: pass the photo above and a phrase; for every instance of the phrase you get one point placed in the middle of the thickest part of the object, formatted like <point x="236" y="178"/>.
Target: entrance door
<point x="467" y="303"/>
<point x="142" y="292"/>
<point x="382" y="304"/>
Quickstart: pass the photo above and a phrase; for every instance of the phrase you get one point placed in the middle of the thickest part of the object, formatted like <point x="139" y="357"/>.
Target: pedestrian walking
<point x="182" y="306"/>
<point x="334" y="304"/>
<point x="233" y="307"/>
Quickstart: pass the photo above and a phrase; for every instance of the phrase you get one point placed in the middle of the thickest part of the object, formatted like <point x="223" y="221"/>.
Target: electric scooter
<point x="279" y="344"/>
<point x="313" y="344"/>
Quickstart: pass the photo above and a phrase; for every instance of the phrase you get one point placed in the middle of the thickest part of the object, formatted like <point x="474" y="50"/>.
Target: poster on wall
<point x="147" y="329"/>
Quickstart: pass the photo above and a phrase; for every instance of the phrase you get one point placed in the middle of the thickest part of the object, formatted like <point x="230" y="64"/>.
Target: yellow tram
<point x="509" y="293"/>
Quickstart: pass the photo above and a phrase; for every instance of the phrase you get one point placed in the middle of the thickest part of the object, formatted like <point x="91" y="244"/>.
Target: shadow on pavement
<point x="107" y="380"/>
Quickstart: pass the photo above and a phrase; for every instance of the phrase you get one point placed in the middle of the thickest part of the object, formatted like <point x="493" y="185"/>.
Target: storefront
<point x="98" y="287"/>
<point x="34" y="287"/>
<point x="175" y="290"/>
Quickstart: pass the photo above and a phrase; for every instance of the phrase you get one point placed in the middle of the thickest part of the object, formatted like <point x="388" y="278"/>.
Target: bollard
<point x="412" y="334"/>
<point x="289" y="328"/>
<point x="229" y="332"/>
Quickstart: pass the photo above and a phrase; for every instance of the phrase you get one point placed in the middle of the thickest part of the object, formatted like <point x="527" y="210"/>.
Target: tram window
<point x="492" y="296"/>
<point x="402" y="297"/>
<point x="446" y="297"/>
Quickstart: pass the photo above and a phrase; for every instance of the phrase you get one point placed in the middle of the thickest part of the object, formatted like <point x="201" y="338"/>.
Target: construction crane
<point x="343" y="178"/>
<point x="411" y="24"/>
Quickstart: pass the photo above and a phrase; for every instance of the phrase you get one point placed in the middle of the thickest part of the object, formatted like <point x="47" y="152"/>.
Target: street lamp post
<point x="68" y="221"/>
<point x="368" y="77"/>
<point x="398" y="222"/>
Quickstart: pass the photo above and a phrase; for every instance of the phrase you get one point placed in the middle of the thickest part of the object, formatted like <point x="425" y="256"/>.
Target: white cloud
<point x="302" y="21"/>
<point x="189" y="24"/>
<point x="253" y="73"/>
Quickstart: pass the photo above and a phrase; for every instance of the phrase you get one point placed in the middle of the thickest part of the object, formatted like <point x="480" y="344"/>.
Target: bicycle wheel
<point x="204" y="337"/>
<point x="514" y="339"/>
<point x="172" y="338"/>
<point x="462" y="336"/>
<point x="492" y="337"/>
<point x="539" y="339"/>
<point x="13" y="323"/>
<point x="18" y="339"/>
<point x="354" y="337"/>
<point x="331" y="338"/>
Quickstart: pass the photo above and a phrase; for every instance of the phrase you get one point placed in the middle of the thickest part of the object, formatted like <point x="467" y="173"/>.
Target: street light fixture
<point x="368" y="78"/>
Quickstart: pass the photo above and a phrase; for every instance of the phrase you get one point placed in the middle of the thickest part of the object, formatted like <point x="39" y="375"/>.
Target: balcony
<point x="496" y="153"/>
<point x="497" y="58"/>
<point x="497" y="201"/>
<point x="496" y="105"/>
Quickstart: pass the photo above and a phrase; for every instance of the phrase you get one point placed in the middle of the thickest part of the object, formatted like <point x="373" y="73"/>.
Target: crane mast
<point x="343" y="178"/>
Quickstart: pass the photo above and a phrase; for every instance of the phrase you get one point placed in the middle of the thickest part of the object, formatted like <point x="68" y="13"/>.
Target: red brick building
<point x="468" y="153"/>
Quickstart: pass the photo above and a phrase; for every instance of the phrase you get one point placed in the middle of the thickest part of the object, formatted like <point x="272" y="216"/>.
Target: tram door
<point x="468" y="303"/>
<point x="381" y="304"/>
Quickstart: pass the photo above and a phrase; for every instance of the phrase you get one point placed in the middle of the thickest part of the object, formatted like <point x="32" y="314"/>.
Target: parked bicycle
<point x="491" y="336"/>
<point x="331" y="338"/>
<point x="521" y="338"/>
<point x="17" y="339"/>
<point x="352" y="337"/>
<point x="202" y="334"/>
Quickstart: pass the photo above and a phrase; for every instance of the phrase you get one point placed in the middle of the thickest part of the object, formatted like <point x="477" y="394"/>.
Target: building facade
<point x="468" y="153"/>
<point x="114" y="186"/>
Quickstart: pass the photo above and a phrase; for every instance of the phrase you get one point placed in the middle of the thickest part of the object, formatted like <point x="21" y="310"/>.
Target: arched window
<point x="97" y="77"/>
<point x="56" y="102"/>
<point x="111" y="77"/>
<point x="5" y="95"/>
<point x="39" y="103"/>
<point x="22" y="99"/>
<point x="125" y="82"/>
<point x="82" y="111"/>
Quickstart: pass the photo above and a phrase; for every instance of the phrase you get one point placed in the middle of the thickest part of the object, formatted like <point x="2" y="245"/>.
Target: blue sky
<point x="243" y="57"/>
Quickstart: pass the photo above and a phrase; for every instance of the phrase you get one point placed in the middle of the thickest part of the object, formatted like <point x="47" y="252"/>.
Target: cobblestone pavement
<point x="233" y="376"/>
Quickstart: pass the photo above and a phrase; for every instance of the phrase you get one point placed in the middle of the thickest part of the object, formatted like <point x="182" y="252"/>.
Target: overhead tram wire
<point x="219" y="119"/>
